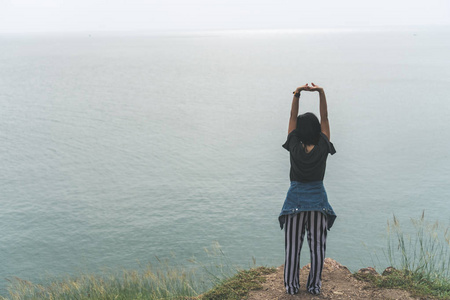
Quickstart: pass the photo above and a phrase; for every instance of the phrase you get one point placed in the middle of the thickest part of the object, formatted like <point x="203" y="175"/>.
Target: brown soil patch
<point x="337" y="283"/>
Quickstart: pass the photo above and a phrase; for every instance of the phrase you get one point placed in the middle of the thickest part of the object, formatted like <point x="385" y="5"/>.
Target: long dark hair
<point x="308" y="128"/>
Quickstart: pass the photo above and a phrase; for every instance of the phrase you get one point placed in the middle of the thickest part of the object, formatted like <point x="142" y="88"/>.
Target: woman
<point x="306" y="206"/>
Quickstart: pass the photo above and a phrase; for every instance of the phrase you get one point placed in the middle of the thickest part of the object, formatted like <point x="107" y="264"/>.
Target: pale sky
<point x="160" y="15"/>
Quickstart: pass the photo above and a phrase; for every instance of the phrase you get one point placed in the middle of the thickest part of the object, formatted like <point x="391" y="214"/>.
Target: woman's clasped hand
<point x="306" y="87"/>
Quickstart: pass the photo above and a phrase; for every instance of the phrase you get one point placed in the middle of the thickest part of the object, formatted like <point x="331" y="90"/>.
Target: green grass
<point x="218" y="277"/>
<point x="159" y="281"/>
<point x="150" y="283"/>
<point x="238" y="286"/>
<point x="421" y="259"/>
<point x="414" y="283"/>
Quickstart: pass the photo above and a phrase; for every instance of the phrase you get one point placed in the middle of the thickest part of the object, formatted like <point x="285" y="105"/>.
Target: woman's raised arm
<point x="324" y="124"/>
<point x="294" y="107"/>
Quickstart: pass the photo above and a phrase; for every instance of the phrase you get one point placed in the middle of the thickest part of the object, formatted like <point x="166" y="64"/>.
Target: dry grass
<point x="421" y="259"/>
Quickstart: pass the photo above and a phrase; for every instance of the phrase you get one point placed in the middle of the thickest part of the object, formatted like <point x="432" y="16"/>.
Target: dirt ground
<point x="337" y="283"/>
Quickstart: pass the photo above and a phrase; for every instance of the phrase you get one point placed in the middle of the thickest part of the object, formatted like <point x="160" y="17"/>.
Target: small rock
<point x="368" y="270"/>
<point x="329" y="265"/>
<point x="389" y="270"/>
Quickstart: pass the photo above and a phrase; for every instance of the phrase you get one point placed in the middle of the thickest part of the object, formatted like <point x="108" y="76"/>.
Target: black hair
<point x="308" y="128"/>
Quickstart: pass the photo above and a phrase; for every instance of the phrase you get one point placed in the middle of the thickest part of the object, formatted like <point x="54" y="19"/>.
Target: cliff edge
<point x="337" y="283"/>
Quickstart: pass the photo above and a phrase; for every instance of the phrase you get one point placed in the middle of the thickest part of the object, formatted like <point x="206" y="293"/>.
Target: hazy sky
<point x="113" y="15"/>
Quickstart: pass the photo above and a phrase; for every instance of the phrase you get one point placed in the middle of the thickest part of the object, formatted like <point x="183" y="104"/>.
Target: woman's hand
<point x="314" y="88"/>
<point x="305" y="87"/>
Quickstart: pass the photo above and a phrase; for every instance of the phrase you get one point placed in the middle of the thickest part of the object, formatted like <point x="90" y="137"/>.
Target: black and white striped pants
<point x="316" y="224"/>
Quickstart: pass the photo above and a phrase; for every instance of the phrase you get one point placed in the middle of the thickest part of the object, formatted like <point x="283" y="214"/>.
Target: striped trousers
<point x="315" y="224"/>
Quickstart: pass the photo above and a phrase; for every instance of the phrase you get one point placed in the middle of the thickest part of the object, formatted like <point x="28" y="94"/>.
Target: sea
<point x="122" y="149"/>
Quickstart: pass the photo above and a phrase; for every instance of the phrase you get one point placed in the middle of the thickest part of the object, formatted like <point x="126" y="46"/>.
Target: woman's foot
<point x="291" y="291"/>
<point x="314" y="292"/>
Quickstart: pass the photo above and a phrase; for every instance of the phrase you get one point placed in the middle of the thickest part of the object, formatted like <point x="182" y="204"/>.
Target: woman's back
<point x="308" y="166"/>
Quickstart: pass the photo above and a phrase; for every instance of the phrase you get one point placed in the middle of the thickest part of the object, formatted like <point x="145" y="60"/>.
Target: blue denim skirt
<point x="307" y="196"/>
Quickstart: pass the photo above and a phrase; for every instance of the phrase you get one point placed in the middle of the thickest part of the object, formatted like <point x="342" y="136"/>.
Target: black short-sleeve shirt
<point x="307" y="167"/>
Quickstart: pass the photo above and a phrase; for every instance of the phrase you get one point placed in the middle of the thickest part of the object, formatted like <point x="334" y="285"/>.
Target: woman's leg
<point x="317" y="237"/>
<point x="294" y="233"/>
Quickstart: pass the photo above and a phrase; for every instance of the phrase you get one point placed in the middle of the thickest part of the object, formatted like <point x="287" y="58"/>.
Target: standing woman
<point x="306" y="206"/>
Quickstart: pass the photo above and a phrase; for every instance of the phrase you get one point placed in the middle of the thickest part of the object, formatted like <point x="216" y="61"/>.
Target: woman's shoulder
<point x="324" y="137"/>
<point x="325" y="144"/>
<point x="292" y="140"/>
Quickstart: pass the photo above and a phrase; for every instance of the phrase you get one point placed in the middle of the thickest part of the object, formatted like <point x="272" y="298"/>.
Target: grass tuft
<point x="150" y="283"/>
<point x="238" y="286"/>
<point x="418" y="286"/>
<point x="421" y="260"/>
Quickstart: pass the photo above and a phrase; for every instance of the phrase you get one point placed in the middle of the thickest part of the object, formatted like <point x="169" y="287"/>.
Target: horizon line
<point x="236" y="30"/>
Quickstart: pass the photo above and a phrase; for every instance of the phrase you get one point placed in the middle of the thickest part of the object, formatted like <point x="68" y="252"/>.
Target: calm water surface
<point x="117" y="149"/>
